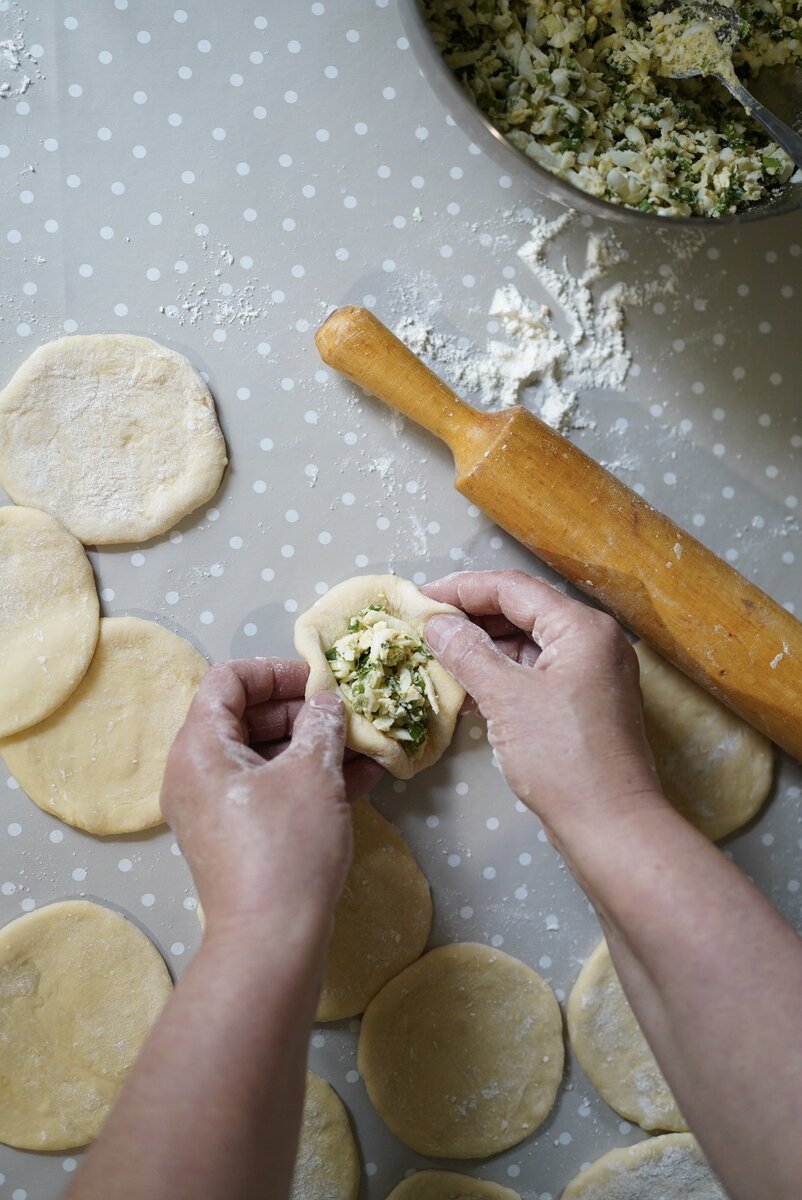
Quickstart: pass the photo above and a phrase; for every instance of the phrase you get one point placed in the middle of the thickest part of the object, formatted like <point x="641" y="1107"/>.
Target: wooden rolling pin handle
<point x="359" y="346"/>
<point x="695" y="609"/>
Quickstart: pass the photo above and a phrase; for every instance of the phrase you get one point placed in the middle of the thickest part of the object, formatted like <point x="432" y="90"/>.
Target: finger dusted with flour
<point x="265" y="829"/>
<point x="114" y="435"/>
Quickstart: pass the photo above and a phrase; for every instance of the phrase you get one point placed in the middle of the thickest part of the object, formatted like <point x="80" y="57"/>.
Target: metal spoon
<point x="726" y="27"/>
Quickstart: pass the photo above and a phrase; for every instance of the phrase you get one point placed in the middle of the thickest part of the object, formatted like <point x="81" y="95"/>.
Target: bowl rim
<point x="550" y="185"/>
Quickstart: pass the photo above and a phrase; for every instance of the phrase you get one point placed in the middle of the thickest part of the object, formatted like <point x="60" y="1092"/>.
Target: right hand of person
<point x="557" y="682"/>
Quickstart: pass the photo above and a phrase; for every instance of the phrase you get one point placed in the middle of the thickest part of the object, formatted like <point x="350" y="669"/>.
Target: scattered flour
<point x="215" y="298"/>
<point x="11" y="56"/>
<point x="19" y="69"/>
<point x="549" y="355"/>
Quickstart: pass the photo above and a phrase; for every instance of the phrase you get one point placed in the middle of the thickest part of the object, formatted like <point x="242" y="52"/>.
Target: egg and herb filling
<point x="580" y="86"/>
<point x="381" y="666"/>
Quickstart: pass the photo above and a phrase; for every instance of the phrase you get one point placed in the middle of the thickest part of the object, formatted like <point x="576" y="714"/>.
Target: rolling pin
<point x="694" y="608"/>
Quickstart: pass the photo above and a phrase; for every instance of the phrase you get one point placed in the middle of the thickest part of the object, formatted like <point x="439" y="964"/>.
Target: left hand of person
<point x="257" y="790"/>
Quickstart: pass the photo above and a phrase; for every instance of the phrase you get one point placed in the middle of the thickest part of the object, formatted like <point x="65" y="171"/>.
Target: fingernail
<point x="325" y="700"/>
<point x="440" y="630"/>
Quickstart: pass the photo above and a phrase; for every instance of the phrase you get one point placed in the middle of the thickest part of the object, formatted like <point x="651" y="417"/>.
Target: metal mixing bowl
<point x="778" y="89"/>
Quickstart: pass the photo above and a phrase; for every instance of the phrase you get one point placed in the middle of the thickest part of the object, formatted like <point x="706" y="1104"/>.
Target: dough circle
<point x="318" y="628"/>
<point x="49" y="616"/>
<point x="613" y="1052"/>
<point x="327" y="1166"/>
<point x="382" y="919"/>
<point x="448" y="1185"/>
<point x="80" y="987"/>
<point x="671" y="1167"/>
<point x="462" y="1053"/>
<point x="713" y="767"/>
<point x="114" y="435"/>
<point x="98" y="761"/>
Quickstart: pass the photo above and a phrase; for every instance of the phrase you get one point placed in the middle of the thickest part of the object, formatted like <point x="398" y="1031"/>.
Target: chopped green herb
<point x="381" y="666"/>
<point x="576" y="85"/>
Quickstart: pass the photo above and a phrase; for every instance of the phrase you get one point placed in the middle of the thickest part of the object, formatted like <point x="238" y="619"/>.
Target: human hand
<point x="256" y="789"/>
<point x="558" y="685"/>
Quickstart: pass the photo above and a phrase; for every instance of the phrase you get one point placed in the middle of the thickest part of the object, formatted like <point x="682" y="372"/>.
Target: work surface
<point x="217" y="179"/>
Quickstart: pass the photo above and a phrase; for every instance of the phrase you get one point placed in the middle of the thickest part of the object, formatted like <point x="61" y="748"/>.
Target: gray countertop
<point x="218" y="178"/>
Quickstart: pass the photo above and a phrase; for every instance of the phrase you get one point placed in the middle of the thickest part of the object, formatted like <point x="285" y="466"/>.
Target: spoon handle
<point x="783" y="134"/>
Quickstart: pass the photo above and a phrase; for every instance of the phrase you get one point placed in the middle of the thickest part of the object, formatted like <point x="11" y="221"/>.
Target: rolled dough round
<point x="327" y="1166"/>
<point x="713" y="767"/>
<point x="97" y="762"/>
<point x="114" y="435"/>
<point x="80" y="987"/>
<point x="318" y="628"/>
<point x="49" y="616"/>
<point x="670" y="1167"/>
<point x="447" y="1185"/>
<point x="462" y="1053"/>
<point x="613" y="1052"/>
<point x="382" y="919"/>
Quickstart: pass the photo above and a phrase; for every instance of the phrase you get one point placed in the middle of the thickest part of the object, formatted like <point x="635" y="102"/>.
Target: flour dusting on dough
<point x="671" y="1166"/>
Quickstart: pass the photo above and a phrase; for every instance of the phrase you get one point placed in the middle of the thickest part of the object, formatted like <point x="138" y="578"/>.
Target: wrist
<point x="590" y="825"/>
<point x="274" y="941"/>
<point x="609" y="840"/>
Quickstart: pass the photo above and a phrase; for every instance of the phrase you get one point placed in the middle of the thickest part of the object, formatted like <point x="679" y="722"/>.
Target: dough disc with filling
<point x="381" y="921"/>
<point x="462" y="1053"/>
<point x="447" y="1185"/>
<point x="114" y="435"/>
<point x="713" y="767"/>
<point x="670" y="1167"/>
<point x="98" y="761"/>
<point x="317" y="629"/>
<point x="49" y="616"/>
<point x="613" y="1052"/>
<point x="327" y="1166"/>
<point x="80" y="987"/>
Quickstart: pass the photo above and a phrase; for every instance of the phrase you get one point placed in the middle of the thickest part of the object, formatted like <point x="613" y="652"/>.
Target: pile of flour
<point x="550" y="354"/>
<point x="19" y="67"/>
<point x="11" y="56"/>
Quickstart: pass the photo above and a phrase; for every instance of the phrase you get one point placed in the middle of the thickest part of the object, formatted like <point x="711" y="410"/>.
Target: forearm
<point x="212" y="1107"/>
<point x="715" y="978"/>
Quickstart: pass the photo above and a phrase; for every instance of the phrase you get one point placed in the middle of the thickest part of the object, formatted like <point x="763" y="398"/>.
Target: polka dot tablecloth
<point x="217" y="177"/>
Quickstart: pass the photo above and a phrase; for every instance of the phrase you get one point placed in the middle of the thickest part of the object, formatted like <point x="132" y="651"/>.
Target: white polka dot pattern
<point x="219" y="176"/>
